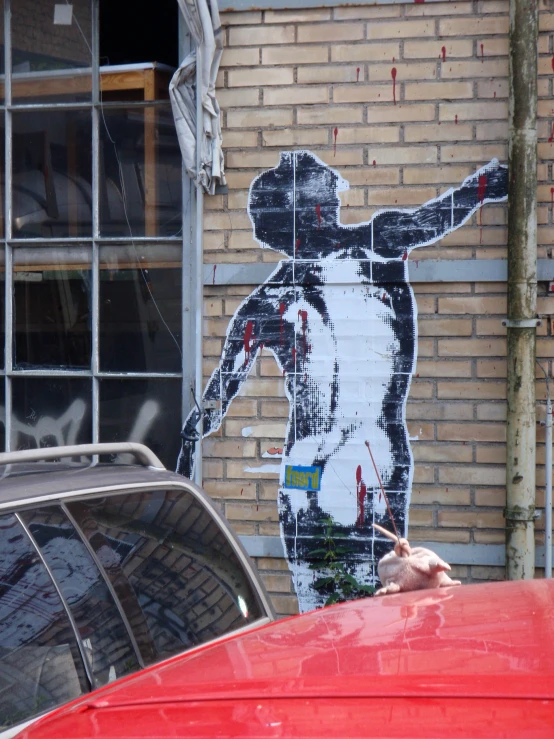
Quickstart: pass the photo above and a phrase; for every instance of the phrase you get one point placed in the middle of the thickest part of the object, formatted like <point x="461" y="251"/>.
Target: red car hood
<point x="491" y="641"/>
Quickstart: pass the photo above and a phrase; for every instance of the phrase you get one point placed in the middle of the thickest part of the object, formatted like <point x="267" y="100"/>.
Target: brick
<point x="437" y="132"/>
<point x="371" y="12"/>
<point x="260" y="76"/>
<point x="275" y="409"/>
<point x="465" y="69"/>
<point x="457" y="536"/>
<point x="258" y="118"/>
<point x="296" y="16"/>
<point x="341" y="156"/>
<point x="238" y="139"/>
<point x="241" y="18"/>
<point x="259" y="429"/>
<point x="441" y="174"/>
<point x="294" y="54"/>
<point x="365" y="52"/>
<point x="230" y="99"/>
<point x="489" y="537"/>
<point x="240" y="57"/>
<point x="428" y="495"/>
<point x="485" y="389"/>
<point x="441" y="453"/>
<point x="433" y="49"/>
<point x="480" y="305"/>
<point x="421" y="390"/>
<point x="472" y="475"/>
<point x="329" y="73"/>
<point x="212" y="468"/>
<point x="471" y="432"/>
<point x="471" y="111"/>
<point x="241" y="407"/>
<point x="400" y="196"/>
<point x="450" y="368"/>
<point x="491" y="454"/>
<point x="400" y="113"/>
<point x="212" y="307"/>
<point x="438" y="90"/>
<point x="295" y="137"/>
<point x="478" y="519"/>
<point x="220" y="489"/>
<point x="269" y="490"/>
<point x="492" y="89"/>
<point x="251" y="159"/>
<point x="440" y="411"/>
<point x="267" y="388"/>
<point x="400" y="29"/>
<point x="446" y="8"/>
<point x="445" y="327"/>
<point x="421" y="517"/>
<point x="217" y="220"/>
<point x="491" y="411"/>
<point x="473" y="26"/>
<point x="277" y="583"/>
<point x="285" y="605"/>
<point x="491" y="368"/>
<point x="403" y="155"/>
<point x="369" y="135"/>
<point x="411" y="71"/>
<point x="296" y="96"/>
<point x="251" y="512"/>
<point x="331" y="32"/>
<point x="261" y="36"/>
<point x="479" y="572"/>
<point x="272" y="563"/>
<point x="423" y="473"/>
<point x="373" y="176"/>
<point x="329" y="115"/>
<point x="418" y="430"/>
<point x="360" y="93"/>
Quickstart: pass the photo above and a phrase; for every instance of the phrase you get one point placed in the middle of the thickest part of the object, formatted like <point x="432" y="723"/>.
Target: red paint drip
<point x="419" y="2"/>
<point x="335" y="134"/>
<point x="282" y="308"/>
<point x="551" y="137"/>
<point x="553" y="63"/>
<point x="296" y="247"/>
<point x="293" y="355"/>
<point x="456" y="119"/>
<point x="494" y="94"/>
<point x="361" y="491"/>
<point x="552" y="195"/>
<point x="241" y="490"/>
<point x="374" y="163"/>
<point x="318" y="211"/>
<point x="404" y="256"/>
<point x="393" y="75"/>
<point x="248" y="336"/>
<point x="357" y="74"/>
<point x="303" y="314"/>
<point x="213" y="276"/>
<point x="482" y="53"/>
<point x="481" y="188"/>
<point x="443" y="52"/>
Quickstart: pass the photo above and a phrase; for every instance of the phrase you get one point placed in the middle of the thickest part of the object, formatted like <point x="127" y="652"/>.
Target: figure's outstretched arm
<point x="395" y="232"/>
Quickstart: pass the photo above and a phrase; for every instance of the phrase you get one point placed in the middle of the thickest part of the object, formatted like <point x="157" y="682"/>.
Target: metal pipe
<point x="199" y="262"/>
<point x="548" y="492"/>
<point x="522" y="291"/>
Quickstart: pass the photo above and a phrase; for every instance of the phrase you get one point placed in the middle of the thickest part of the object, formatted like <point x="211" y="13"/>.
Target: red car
<point x="472" y="661"/>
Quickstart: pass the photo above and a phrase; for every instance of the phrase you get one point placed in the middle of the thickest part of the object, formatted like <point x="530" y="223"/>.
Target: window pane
<point x="40" y="665"/>
<point x="52" y="299"/>
<point x="189" y="582"/>
<point x="108" y="647"/>
<point x="51" y="51"/>
<point x="50" y="412"/>
<point x="140" y="308"/>
<point x="146" y="410"/>
<point x="2" y="302"/>
<point x="2" y="415"/>
<point x="139" y="146"/>
<point x="52" y="174"/>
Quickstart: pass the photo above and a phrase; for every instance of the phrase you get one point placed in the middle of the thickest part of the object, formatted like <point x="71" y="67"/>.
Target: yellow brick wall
<point x="290" y="78"/>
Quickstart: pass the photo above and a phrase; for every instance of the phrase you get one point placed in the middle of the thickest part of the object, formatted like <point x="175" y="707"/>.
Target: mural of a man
<point x="340" y="319"/>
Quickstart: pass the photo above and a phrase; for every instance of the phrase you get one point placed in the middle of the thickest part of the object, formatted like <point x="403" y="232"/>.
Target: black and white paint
<point x="339" y="317"/>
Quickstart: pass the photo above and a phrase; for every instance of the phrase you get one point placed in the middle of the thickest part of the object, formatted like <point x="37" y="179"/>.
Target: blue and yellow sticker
<point x="302" y="478"/>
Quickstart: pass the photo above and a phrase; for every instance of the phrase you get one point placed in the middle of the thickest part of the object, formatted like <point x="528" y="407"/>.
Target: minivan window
<point x="107" y="644"/>
<point x="190" y="584"/>
<point x="40" y="663"/>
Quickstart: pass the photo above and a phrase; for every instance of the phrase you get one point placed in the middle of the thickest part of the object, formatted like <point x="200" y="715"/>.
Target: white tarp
<point x="202" y="18"/>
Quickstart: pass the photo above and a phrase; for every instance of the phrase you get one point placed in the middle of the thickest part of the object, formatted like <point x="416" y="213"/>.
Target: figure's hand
<point x="190" y="436"/>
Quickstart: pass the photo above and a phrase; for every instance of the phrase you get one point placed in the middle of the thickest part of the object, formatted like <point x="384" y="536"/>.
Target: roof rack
<point x="142" y="453"/>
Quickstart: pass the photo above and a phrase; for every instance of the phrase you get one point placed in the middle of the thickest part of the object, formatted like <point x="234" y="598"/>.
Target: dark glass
<point x="52" y="174"/>
<point x="2" y="415"/>
<point x="107" y="644"/>
<point x="139" y="147"/>
<point x="189" y="582"/>
<point x="40" y="663"/>
<point x="145" y="410"/>
<point x="52" y="300"/>
<point x="2" y="303"/>
<point x="140" y="308"/>
<point x="51" y="51"/>
<point x="50" y="412"/>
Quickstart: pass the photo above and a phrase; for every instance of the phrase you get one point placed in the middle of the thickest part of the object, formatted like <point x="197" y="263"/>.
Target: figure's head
<point x="294" y="202"/>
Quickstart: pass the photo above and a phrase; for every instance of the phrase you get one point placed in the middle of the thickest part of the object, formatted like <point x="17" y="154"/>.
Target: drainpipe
<point x="199" y="267"/>
<point x="522" y="292"/>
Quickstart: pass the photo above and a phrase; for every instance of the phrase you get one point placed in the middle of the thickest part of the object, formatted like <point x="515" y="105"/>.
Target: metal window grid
<point x="11" y="245"/>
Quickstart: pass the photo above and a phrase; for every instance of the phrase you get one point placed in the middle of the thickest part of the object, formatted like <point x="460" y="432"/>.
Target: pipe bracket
<point x="519" y="514"/>
<point x="521" y="322"/>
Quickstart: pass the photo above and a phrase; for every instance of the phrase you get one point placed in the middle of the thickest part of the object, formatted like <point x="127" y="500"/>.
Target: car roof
<point x="24" y="483"/>
<point x="471" y="643"/>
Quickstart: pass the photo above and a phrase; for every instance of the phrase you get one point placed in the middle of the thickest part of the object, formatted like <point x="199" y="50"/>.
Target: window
<point x="40" y="663"/>
<point x="91" y="237"/>
<point x="189" y="582"/>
